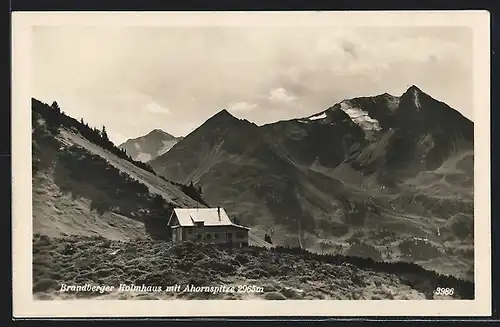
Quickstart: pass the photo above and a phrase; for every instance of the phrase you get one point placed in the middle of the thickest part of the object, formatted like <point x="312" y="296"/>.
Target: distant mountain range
<point x="386" y="177"/>
<point x="364" y="165"/>
<point x="90" y="198"/>
<point x="149" y="146"/>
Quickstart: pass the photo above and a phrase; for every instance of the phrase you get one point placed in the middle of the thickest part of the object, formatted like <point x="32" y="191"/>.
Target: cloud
<point x="138" y="101"/>
<point x="142" y="74"/>
<point x="281" y="95"/>
<point x="419" y="49"/>
<point x="349" y="48"/>
<point x="130" y="97"/>
<point x="156" y="108"/>
<point x="242" y="106"/>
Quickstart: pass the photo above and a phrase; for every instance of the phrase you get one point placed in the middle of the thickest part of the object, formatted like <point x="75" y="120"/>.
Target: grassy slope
<point x="56" y="213"/>
<point x="80" y="188"/>
<point x="282" y="273"/>
<point x="155" y="184"/>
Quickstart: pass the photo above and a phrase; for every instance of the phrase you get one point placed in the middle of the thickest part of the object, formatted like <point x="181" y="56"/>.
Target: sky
<point x="136" y="79"/>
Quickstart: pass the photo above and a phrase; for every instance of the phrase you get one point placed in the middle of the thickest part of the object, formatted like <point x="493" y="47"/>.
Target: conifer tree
<point x="104" y="134"/>
<point x="56" y="107"/>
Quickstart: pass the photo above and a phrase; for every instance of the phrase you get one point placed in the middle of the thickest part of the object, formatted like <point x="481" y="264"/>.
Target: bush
<point x="44" y="285"/>
<point x="241" y="259"/>
<point x="462" y="226"/>
<point x="416" y="276"/>
<point x="256" y="273"/>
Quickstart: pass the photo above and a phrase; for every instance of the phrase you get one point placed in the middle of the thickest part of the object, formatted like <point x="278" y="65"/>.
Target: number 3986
<point x="444" y="291"/>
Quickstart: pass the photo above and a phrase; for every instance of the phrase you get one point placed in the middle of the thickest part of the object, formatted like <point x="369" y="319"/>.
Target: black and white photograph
<point x="240" y="158"/>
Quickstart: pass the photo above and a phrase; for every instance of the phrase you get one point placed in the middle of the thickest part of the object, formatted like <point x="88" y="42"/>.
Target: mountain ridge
<point x="362" y="164"/>
<point x="93" y="202"/>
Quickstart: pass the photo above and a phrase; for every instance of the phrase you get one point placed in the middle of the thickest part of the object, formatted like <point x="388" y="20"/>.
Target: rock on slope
<point x="150" y="146"/>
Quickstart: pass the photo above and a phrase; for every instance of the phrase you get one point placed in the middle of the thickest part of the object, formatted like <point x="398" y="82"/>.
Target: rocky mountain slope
<point x="149" y="146"/>
<point x="344" y="178"/>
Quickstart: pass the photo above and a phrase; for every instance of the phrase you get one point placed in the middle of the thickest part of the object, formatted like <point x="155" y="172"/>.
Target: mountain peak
<point x="157" y="131"/>
<point x="224" y="112"/>
<point x="386" y="95"/>
<point x="413" y="95"/>
<point x="223" y="115"/>
<point x="151" y="145"/>
<point x="160" y="133"/>
<point x="414" y="89"/>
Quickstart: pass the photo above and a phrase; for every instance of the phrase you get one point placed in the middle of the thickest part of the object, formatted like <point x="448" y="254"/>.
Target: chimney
<point x="218" y="212"/>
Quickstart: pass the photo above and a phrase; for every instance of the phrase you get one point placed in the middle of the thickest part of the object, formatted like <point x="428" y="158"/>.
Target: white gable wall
<point x="213" y="234"/>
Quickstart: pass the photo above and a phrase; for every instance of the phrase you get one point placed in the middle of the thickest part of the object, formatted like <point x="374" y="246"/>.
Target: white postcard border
<point x="25" y="306"/>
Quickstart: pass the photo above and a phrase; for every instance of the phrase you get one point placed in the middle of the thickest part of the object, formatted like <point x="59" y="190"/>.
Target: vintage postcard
<point x="222" y="161"/>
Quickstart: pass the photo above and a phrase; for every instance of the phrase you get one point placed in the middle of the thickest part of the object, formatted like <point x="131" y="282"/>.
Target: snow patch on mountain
<point x="316" y="117"/>
<point x="143" y="157"/>
<point x="360" y="117"/>
<point x="416" y="99"/>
